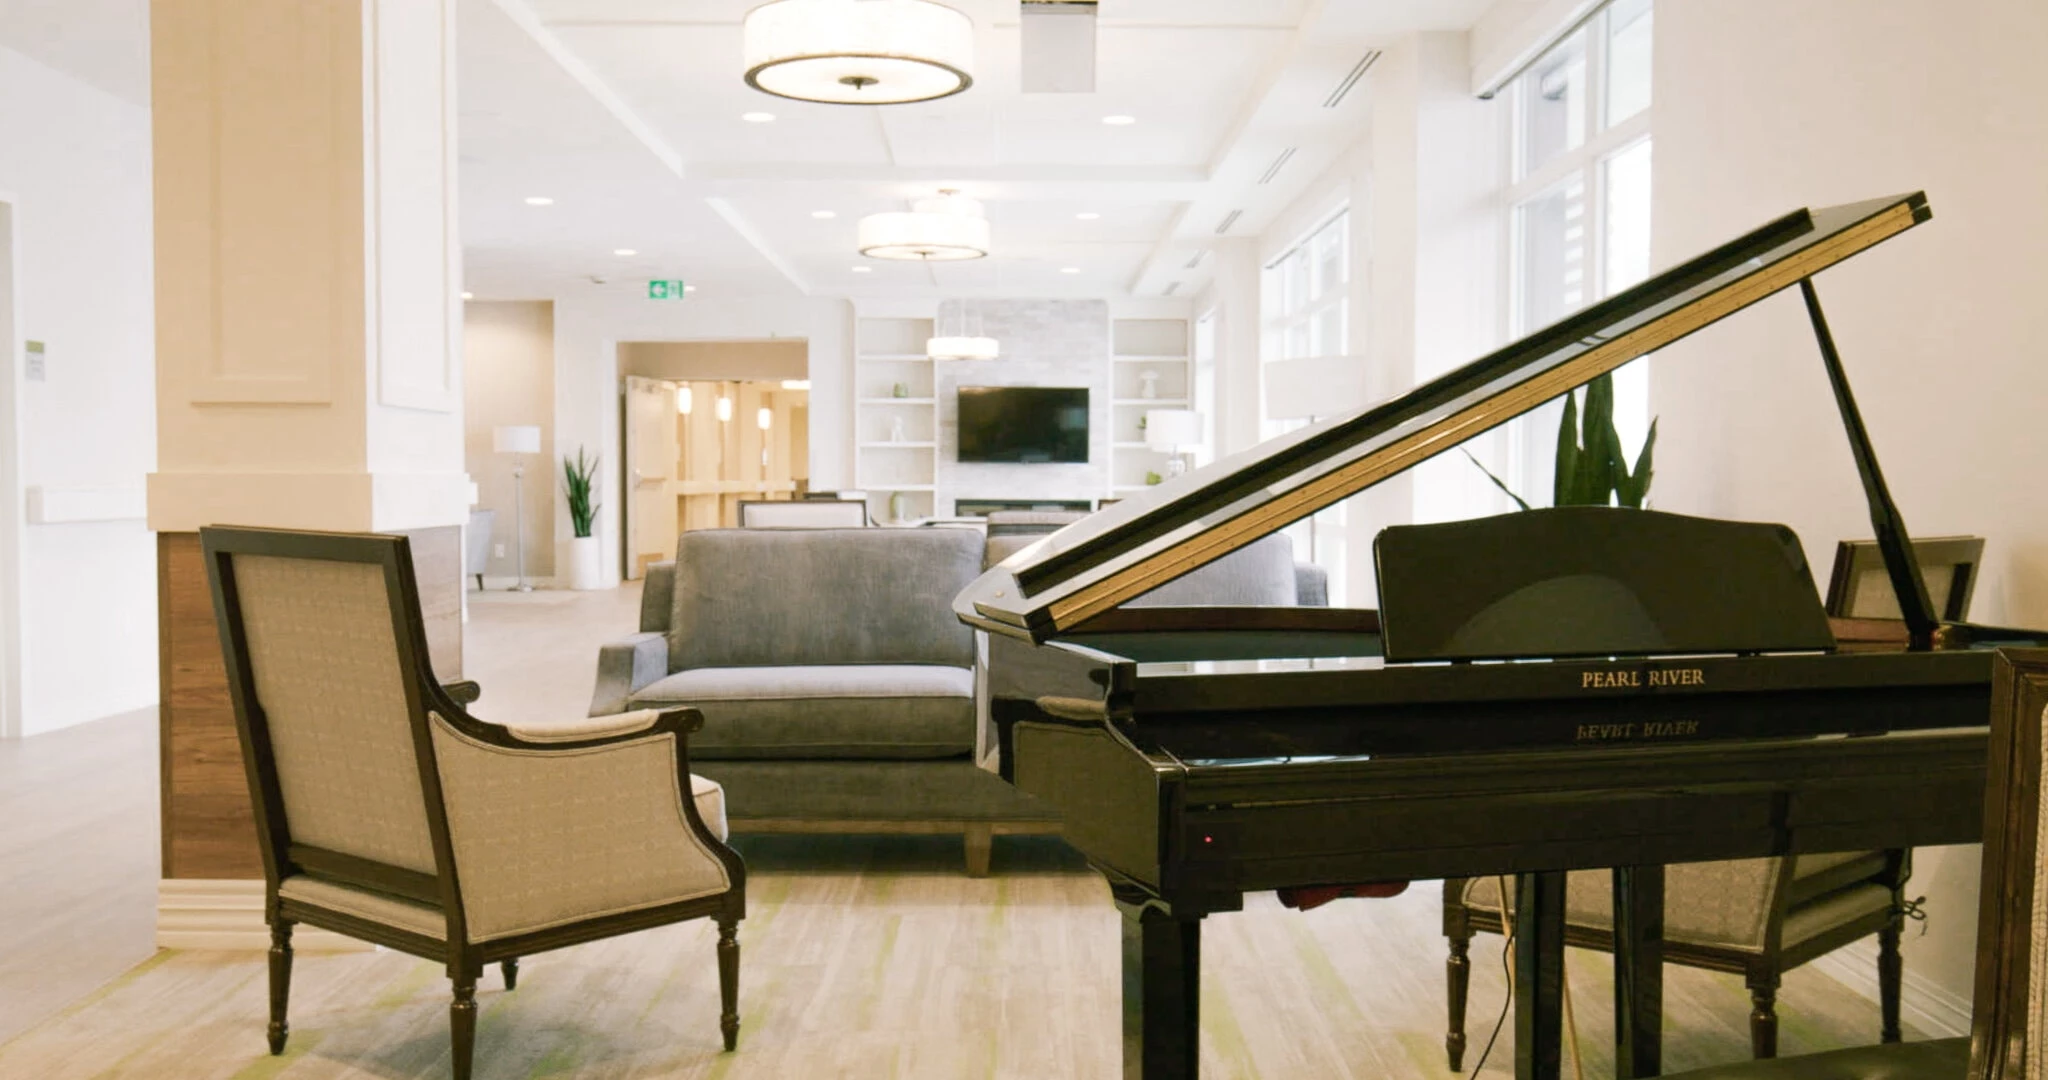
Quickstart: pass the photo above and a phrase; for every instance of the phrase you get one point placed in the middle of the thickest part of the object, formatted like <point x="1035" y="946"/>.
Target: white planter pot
<point x="585" y="569"/>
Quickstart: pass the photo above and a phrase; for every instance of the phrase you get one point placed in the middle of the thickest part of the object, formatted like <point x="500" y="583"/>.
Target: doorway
<point x="707" y="425"/>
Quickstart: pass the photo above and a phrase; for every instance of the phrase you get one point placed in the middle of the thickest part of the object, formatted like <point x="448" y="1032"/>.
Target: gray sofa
<point x="838" y="690"/>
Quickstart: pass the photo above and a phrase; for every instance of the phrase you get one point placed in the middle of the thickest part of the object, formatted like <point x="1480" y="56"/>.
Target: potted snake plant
<point x="578" y="482"/>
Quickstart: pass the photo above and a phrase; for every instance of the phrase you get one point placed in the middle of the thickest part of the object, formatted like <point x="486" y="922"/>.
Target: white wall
<point x="508" y="355"/>
<point x="1944" y="331"/>
<point x="76" y="162"/>
<point x="589" y="327"/>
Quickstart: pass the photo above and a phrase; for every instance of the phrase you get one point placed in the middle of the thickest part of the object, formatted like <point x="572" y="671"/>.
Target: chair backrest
<point x="787" y="597"/>
<point x="2009" y="1020"/>
<point x="322" y="639"/>
<point x="803" y="514"/>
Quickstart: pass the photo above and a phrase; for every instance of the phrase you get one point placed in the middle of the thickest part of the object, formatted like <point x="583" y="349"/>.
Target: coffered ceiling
<point x="628" y="114"/>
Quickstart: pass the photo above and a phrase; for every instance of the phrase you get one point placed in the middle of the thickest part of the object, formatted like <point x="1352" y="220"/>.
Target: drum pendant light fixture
<point x="948" y="228"/>
<point x="859" y="52"/>
<point x="964" y="345"/>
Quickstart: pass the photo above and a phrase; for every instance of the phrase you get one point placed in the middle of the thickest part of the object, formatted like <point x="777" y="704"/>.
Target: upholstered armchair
<point x="387" y="813"/>
<point x="2008" y="1040"/>
<point x="1756" y="917"/>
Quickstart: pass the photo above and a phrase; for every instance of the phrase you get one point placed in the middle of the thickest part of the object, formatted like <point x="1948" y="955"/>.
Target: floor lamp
<point x="518" y="440"/>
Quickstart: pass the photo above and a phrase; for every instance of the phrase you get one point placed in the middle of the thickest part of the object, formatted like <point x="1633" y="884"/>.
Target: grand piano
<point x="1540" y="692"/>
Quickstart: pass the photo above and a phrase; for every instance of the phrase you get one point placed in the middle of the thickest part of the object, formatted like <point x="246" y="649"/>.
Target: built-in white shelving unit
<point x="1158" y="348"/>
<point x="896" y="418"/>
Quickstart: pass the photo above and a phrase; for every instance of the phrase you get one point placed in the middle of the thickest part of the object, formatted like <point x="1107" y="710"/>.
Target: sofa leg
<point x="980" y="839"/>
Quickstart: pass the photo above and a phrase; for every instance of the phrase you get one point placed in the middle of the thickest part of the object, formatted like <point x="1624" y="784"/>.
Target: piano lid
<point x="1143" y="542"/>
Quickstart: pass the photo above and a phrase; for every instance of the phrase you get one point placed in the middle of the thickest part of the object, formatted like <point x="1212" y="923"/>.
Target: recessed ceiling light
<point x="1090" y="216"/>
<point x="1070" y="269"/>
<point x="467" y="295"/>
<point x="863" y="269"/>
<point x="758" y="117"/>
<point x="1119" y="120"/>
<point x="624" y="251"/>
<point x="539" y="200"/>
<point x="824" y="215"/>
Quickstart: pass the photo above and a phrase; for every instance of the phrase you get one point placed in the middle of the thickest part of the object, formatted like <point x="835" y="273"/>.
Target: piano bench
<point x="1943" y="1059"/>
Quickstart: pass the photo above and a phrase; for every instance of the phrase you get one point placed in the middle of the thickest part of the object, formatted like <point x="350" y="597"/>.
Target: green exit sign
<point x="666" y="290"/>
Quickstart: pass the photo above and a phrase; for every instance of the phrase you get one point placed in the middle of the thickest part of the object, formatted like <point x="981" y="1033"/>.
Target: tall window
<point x="1580" y="199"/>
<point x="1307" y="294"/>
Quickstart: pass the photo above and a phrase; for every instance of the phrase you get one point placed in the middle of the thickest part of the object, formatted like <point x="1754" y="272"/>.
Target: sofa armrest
<point x="1311" y="585"/>
<point x="558" y="823"/>
<point x="624" y="667"/>
<point x="657" y="597"/>
<point x="464" y="692"/>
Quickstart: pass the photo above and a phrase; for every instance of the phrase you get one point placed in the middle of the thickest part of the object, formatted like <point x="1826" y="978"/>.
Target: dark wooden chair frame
<point x="2005" y="900"/>
<point x="283" y="857"/>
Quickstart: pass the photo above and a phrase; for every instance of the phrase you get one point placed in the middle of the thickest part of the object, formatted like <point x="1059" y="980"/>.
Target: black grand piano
<point x="1539" y="692"/>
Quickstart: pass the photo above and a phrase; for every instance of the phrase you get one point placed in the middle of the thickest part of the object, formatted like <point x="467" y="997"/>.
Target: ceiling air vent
<point x="1278" y="164"/>
<point x="1171" y="288"/>
<point x="1228" y="220"/>
<point x="1358" y="71"/>
<point x="1197" y="260"/>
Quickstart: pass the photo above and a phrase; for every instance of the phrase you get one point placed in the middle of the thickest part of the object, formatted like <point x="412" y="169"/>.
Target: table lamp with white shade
<point x="1173" y="431"/>
<point x="518" y="440"/>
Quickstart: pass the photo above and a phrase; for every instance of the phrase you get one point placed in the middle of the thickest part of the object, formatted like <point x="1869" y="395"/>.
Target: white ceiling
<point x="628" y="113"/>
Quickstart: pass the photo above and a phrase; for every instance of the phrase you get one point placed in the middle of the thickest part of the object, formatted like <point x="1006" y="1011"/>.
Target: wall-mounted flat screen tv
<point x="1028" y="424"/>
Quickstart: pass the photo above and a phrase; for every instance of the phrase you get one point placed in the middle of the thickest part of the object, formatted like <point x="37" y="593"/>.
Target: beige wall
<point x="716" y="361"/>
<point x="1763" y="106"/>
<point x="509" y="378"/>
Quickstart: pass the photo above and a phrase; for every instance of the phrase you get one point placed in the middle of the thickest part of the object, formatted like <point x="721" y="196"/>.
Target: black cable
<point x="1507" y="969"/>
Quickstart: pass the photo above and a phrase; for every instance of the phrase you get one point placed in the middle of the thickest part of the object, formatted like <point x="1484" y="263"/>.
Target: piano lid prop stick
<point x="1892" y="540"/>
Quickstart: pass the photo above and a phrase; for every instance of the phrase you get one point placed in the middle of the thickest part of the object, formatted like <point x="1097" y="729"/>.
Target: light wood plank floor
<point x="862" y="957"/>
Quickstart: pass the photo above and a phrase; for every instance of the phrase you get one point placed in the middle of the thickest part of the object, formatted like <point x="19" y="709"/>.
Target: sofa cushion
<point x="762" y="597"/>
<point x="900" y="711"/>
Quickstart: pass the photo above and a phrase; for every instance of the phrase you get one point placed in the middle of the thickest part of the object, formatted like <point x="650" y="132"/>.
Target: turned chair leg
<point x="729" y="981"/>
<point x="511" y="970"/>
<point x="1458" y="972"/>
<point x="462" y="1024"/>
<point x="280" y="982"/>
<point x="980" y="839"/>
<point x="1763" y="1020"/>
<point x="1890" y="974"/>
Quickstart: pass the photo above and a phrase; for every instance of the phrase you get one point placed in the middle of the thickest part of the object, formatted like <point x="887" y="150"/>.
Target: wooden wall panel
<point x="208" y="828"/>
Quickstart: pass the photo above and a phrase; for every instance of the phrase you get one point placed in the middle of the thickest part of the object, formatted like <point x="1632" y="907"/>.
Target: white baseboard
<point x="1927" y="1006"/>
<point x="195" y="913"/>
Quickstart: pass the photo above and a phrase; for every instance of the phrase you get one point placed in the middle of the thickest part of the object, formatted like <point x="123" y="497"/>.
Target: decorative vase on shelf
<point x="899" y="390"/>
<point x="899" y="506"/>
<point x="1148" y="384"/>
<point x="895" y="429"/>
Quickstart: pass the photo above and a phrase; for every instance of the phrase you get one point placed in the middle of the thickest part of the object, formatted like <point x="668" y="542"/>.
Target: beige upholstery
<point x="324" y="660"/>
<point x="547" y="837"/>
<point x="1721" y="904"/>
<point x="1713" y="903"/>
<point x="585" y="727"/>
<point x="366" y="905"/>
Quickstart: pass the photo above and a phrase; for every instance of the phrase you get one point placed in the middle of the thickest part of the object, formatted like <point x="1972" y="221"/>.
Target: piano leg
<point x="1162" y="990"/>
<point x="1638" y="971"/>
<point x="1539" y="975"/>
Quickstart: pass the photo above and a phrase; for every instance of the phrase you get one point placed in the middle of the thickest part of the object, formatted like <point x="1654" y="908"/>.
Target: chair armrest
<point x="624" y="666"/>
<point x="552" y="825"/>
<point x="1311" y="585"/>
<point x="657" y="597"/>
<point x="465" y="692"/>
